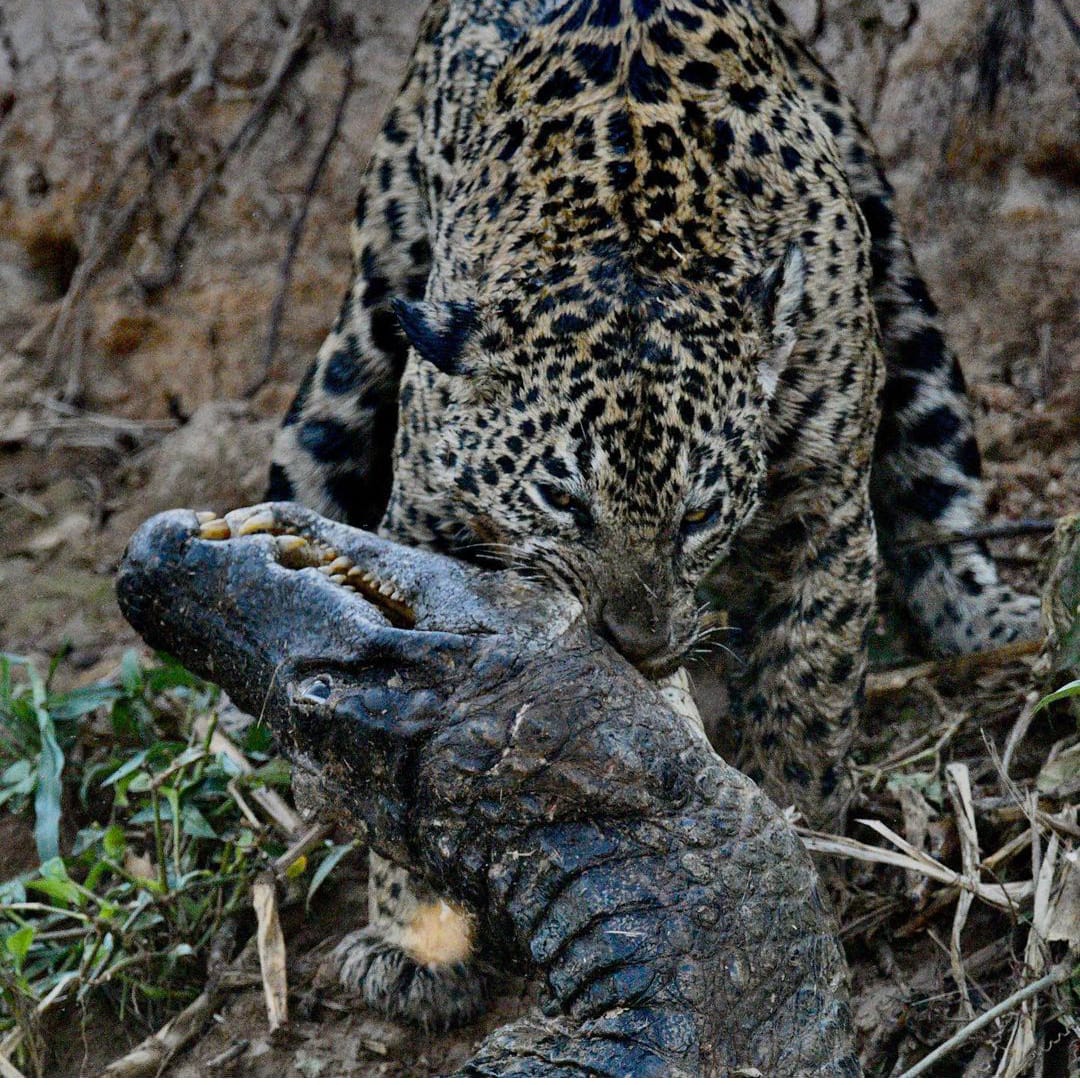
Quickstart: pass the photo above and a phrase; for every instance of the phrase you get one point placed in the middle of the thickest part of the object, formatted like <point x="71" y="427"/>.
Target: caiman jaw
<point x="297" y="551"/>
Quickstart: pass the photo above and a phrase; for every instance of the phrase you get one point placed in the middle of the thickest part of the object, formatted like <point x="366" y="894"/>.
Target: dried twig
<point x="228" y="1056"/>
<point x="959" y="785"/>
<point x="295" y="42"/>
<point x="1006" y="896"/>
<point x="311" y="839"/>
<point x="99" y="252"/>
<point x="151" y="1055"/>
<point x="296" y="228"/>
<point x="1010" y="530"/>
<point x="886" y="682"/>
<point x="1056" y="975"/>
<point x="273" y="805"/>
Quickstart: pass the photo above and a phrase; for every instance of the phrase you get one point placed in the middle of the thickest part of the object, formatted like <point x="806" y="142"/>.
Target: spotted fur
<point x="669" y="350"/>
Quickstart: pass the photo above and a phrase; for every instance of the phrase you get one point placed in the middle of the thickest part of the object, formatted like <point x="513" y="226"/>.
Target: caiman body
<point x="491" y="743"/>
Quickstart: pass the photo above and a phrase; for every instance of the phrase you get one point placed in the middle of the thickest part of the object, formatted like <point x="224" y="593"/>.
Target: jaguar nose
<point x="637" y="638"/>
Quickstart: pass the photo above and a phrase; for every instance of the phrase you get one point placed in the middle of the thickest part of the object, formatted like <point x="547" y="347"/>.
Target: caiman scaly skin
<point x="490" y="742"/>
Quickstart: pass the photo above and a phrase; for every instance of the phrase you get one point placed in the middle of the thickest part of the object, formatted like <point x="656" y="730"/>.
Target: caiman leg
<point x="493" y="745"/>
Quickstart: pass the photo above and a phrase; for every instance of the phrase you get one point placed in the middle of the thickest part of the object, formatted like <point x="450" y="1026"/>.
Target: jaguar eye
<point x="704" y="516"/>
<point x="566" y="502"/>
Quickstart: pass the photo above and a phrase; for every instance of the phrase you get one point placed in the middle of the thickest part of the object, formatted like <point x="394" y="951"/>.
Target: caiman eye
<point x="702" y="517"/>
<point x="562" y="501"/>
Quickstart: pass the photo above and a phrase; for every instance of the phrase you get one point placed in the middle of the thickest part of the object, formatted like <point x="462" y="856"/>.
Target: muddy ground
<point x="135" y="374"/>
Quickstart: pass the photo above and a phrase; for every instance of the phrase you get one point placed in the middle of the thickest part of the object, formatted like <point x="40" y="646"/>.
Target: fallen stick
<point x="1056" y="975"/>
<point x="155" y="1051"/>
<point x="884" y="683"/>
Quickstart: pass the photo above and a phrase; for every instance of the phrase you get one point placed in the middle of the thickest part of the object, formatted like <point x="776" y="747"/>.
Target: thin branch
<point x="1009" y="530"/>
<point x="296" y="40"/>
<point x="99" y="253"/>
<point x="1056" y="975"/>
<point x="296" y="227"/>
<point x="150" y="1056"/>
<point x="882" y="683"/>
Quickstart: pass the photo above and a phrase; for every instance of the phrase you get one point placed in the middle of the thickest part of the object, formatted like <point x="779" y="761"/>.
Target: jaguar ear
<point x="438" y="331"/>
<point x="779" y="296"/>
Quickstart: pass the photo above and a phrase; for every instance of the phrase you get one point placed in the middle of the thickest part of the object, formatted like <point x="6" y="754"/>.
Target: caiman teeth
<point x="215" y="529"/>
<point x="258" y="523"/>
<point x="299" y="552"/>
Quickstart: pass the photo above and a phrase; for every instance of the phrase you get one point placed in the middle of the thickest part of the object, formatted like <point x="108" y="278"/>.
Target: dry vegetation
<point x="175" y="182"/>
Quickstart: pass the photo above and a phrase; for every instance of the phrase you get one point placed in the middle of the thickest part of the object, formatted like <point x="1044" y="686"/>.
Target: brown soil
<point x="119" y="398"/>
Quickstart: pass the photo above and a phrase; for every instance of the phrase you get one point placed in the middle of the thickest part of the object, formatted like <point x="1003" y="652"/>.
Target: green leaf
<point x="171" y="676"/>
<point x="114" y="842"/>
<point x="18" y="781"/>
<point x="195" y="824"/>
<point x="81" y="702"/>
<point x="49" y="794"/>
<point x="333" y="857"/>
<point x="275" y="773"/>
<point x="13" y="891"/>
<point x="131" y="673"/>
<point x="129" y="766"/>
<point x="55" y="882"/>
<point x="86" y="839"/>
<point x="125" y="722"/>
<point x="258" y="738"/>
<point x="1070" y="689"/>
<point x="18" y="945"/>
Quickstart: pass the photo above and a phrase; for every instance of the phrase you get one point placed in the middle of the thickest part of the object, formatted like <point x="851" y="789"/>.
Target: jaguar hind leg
<point x="927" y="473"/>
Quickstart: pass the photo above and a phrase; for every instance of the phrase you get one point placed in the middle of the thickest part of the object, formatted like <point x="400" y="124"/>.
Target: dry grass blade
<point x="273" y="805"/>
<point x="959" y="784"/>
<point x="7" y="1069"/>
<point x="1018" y="1051"/>
<point x="1006" y="896"/>
<point x="271" y="943"/>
